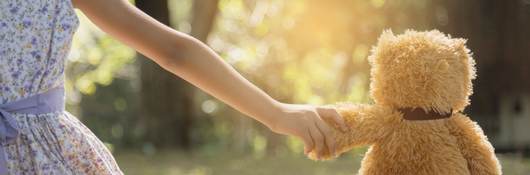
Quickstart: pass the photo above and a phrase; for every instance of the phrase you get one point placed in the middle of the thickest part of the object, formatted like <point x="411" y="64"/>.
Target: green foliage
<point x="96" y="59"/>
<point x="297" y="51"/>
<point x="307" y="51"/>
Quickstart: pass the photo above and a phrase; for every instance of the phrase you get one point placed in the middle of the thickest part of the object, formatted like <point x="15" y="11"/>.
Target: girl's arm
<point x="193" y="61"/>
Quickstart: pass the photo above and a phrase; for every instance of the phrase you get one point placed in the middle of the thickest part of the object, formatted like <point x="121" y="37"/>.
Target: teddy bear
<point x="420" y="84"/>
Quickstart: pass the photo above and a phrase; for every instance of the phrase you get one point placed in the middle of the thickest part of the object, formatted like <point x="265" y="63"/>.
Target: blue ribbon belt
<point x="47" y="102"/>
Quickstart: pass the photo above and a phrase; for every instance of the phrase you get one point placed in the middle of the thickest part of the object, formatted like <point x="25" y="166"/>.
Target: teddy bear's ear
<point x="383" y="44"/>
<point x="386" y="38"/>
<point x="459" y="46"/>
<point x="459" y="43"/>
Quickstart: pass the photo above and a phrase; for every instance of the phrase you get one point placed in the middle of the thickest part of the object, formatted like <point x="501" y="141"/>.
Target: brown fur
<point x="426" y="70"/>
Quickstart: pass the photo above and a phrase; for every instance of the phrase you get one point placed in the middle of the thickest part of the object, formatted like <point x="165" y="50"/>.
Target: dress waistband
<point x="47" y="102"/>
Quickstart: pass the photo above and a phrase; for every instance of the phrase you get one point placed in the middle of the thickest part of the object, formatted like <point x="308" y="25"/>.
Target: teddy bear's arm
<point x="475" y="147"/>
<point x="365" y="126"/>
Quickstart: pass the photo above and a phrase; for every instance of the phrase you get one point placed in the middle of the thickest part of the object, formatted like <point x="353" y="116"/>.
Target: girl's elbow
<point x="174" y="55"/>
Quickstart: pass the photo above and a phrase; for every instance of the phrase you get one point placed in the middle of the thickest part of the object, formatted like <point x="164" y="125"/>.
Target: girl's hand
<point x="304" y="122"/>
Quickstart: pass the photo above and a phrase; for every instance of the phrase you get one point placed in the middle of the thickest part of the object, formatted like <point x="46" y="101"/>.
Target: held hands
<point x="305" y="123"/>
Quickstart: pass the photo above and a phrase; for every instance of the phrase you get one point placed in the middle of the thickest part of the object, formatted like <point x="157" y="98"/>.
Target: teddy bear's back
<point x="430" y="147"/>
<point x="416" y="147"/>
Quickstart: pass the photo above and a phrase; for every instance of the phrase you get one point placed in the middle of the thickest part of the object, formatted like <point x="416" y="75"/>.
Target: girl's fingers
<point x="332" y="114"/>
<point x="308" y="143"/>
<point x="318" y="139"/>
<point x="328" y="133"/>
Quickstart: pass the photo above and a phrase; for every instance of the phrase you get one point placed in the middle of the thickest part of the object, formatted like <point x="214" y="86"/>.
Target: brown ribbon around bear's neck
<point x="420" y="114"/>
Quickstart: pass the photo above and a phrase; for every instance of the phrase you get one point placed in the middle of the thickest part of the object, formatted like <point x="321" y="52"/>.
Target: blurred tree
<point x="167" y="101"/>
<point x="497" y="35"/>
<point x="99" y="86"/>
<point x="297" y="51"/>
<point x="166" y="104"/>
<point x="203" y="18"/>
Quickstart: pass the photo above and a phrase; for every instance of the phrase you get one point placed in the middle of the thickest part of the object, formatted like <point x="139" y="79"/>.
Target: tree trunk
<point x="166" y="100"/>
<point x="203" y="18"/>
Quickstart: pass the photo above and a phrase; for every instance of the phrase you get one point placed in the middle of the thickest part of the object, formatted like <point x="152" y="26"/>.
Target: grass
<point x="180" y="163"/>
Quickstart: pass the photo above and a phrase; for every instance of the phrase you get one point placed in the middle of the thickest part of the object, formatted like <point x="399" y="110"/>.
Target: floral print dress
<point x="35" y="38"/>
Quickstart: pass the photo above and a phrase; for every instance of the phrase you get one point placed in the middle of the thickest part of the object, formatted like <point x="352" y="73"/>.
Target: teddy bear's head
<point x="427" y="70"/>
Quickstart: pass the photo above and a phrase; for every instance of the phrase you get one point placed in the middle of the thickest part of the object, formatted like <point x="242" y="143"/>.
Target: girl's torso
<point x="35" y="39"/>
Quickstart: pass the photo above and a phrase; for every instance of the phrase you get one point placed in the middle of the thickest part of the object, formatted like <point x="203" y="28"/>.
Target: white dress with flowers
<point x="35" y="38"/>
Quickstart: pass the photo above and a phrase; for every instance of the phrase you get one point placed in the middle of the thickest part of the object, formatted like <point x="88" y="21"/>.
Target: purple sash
<point x="47" y="102"/>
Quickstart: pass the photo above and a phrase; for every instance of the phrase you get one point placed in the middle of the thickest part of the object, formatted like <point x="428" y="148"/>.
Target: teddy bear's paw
<point x="326" y="156"/>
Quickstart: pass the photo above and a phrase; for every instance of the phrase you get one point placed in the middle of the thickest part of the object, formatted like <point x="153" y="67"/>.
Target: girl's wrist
<point x="272" y="117"/>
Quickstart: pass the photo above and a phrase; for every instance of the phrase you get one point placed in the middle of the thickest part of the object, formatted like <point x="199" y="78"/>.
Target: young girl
<point x="38" y="137"/>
